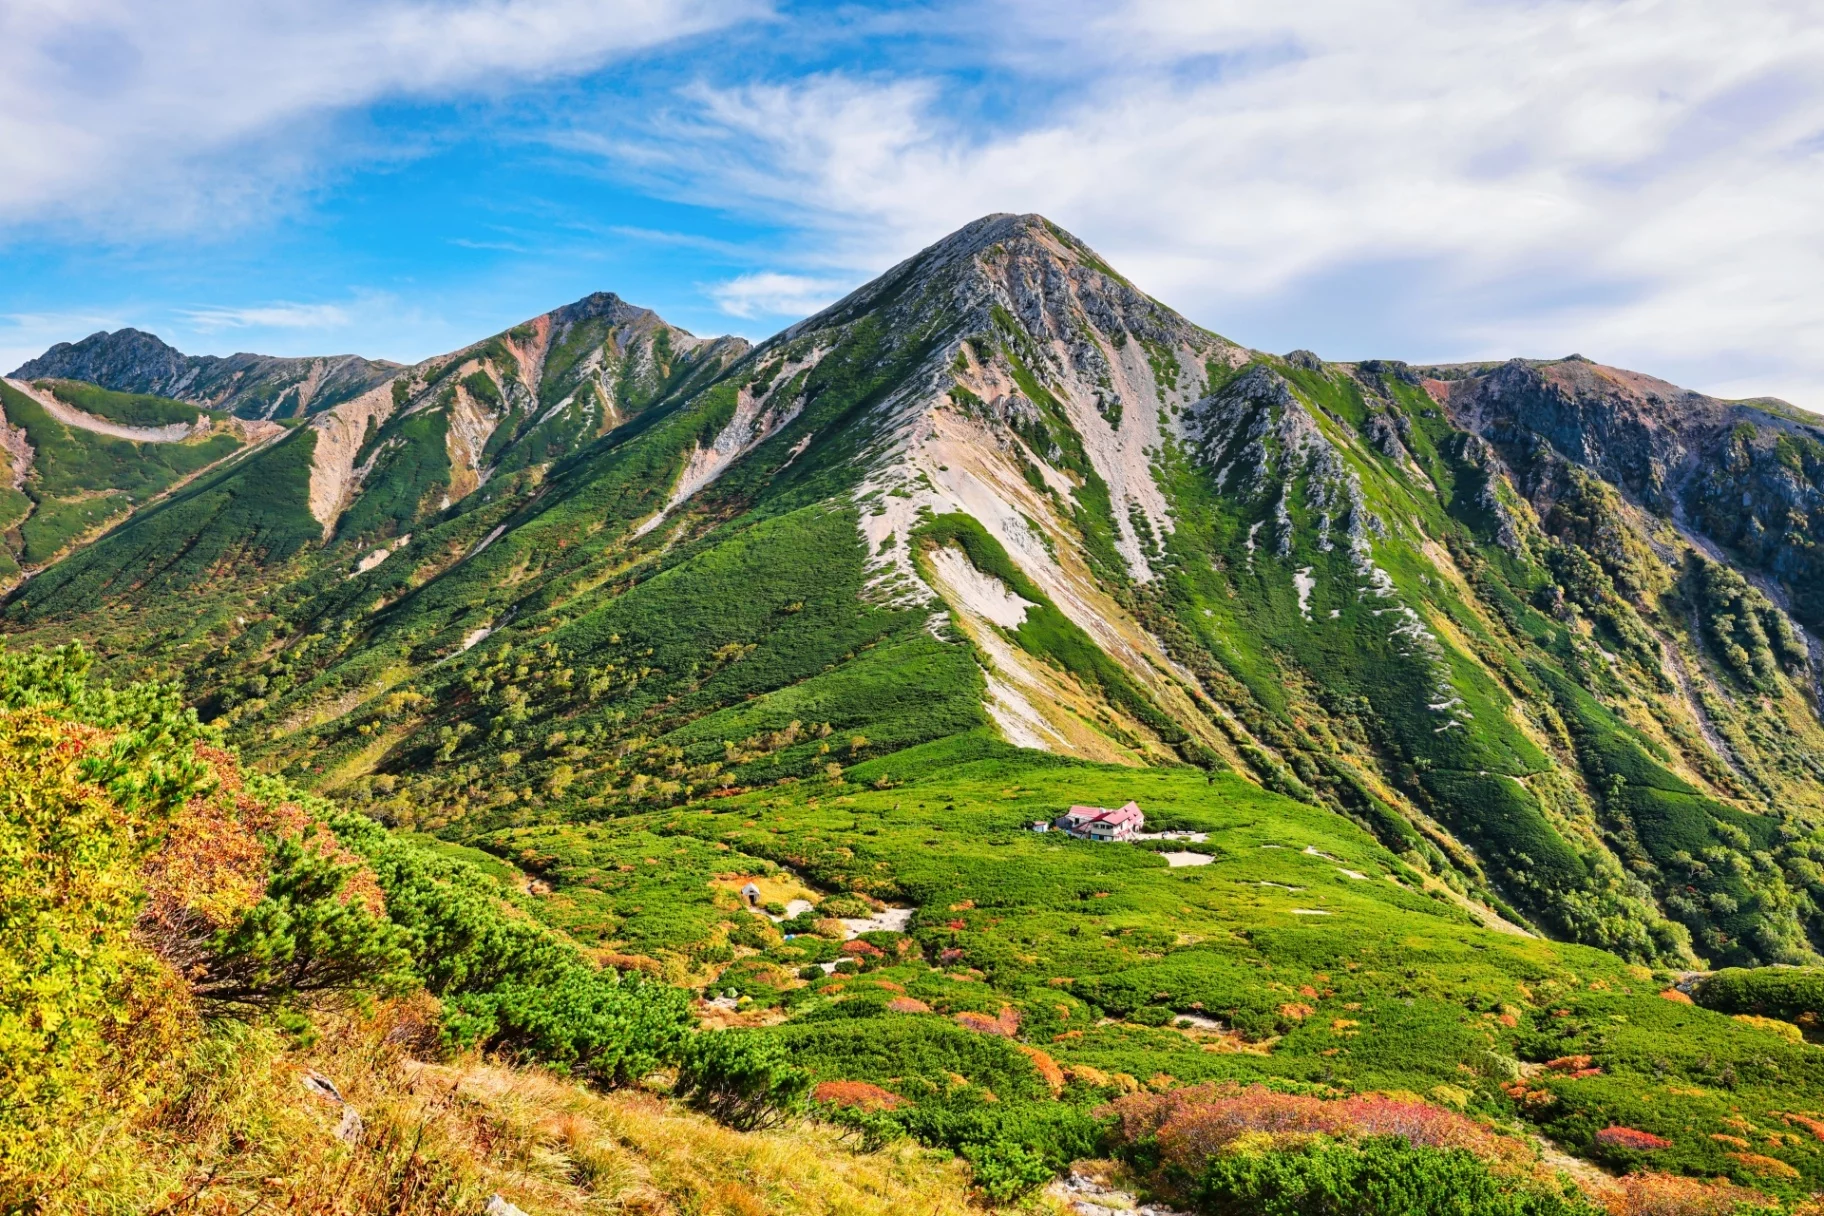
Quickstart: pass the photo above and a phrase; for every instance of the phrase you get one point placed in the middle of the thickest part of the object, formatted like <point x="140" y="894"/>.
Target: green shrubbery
<point x="1791" y="994"/>
<point x="744" y="1080"/>
<point x="1381" y="1176"/>
<point x="129" y="409"/>
<point x="146" y="882"/>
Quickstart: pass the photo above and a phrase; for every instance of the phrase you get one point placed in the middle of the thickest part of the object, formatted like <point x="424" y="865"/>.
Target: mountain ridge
<point x="248" y="385"/>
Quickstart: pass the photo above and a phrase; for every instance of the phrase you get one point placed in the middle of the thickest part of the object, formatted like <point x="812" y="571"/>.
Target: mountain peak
<point x="601" y="305"/>
<point x="249" y="385"/>
<point x="103" y="357"/>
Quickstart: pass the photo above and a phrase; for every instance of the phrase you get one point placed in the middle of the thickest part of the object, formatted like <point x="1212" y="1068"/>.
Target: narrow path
<point x="69" y="415"/>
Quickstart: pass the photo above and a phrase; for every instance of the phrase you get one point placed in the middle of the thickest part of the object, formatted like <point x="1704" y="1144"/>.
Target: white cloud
<point x="1635" y="179"/>
<point x="164" y="115"/>
<point x="271" y="316"/>
<point x="771" y="294"/>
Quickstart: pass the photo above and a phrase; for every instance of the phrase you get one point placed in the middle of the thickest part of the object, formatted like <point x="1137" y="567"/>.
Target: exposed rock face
<point x="252" y="386"/>
<point x="1744" y="476"/>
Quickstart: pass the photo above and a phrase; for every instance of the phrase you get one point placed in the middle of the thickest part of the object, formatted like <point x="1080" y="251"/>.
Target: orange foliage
<point x="628" y="962"/>
<point x="1814" y="1126"/>
<point x="1631" y="1138"/>
<point x="212" y="864"/>
<point x="859" y="1094"/>
<point x="1672" y="1195"/>
<point x="907" y="1004"/>
<point x="981" y="1023"/>
<point x="1046" y="1067"/>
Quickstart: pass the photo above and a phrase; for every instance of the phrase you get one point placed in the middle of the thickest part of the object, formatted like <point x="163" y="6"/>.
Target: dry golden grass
<point x="239" y="1134"/>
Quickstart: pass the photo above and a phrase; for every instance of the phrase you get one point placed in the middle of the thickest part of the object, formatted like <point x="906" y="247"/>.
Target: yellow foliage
<point x="84" y="1011"/>
<point x="239" y="1126"/>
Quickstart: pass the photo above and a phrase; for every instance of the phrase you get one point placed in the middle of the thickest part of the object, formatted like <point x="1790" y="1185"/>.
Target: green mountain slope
<point x="81" y="458"/>
<point x="1522" y="651"/>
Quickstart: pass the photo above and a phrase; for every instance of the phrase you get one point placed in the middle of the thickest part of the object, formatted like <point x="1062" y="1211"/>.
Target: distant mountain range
<point x="251" y="386"/>
<point x="1549" y="629"/>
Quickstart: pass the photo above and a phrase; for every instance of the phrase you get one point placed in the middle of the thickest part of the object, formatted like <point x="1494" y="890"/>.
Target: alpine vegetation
<point x="664" y="721"/>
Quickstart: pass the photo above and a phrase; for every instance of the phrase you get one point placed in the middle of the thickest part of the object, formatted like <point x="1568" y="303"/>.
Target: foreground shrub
<point x="1379" y="1176"/>
<point x="600" y="1026"/>
<point x="304" y="942"/>
<point x="744" y="1080"/>
<point x="73" y="984"/>
<point x="1006" y="1172"/>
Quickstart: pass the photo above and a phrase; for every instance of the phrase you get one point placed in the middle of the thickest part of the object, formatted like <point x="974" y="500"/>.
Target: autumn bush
<point x="1631" y="1138"/>
<point x="1649" y="1194"/>
<point x="1189" y="1126"/>
<point x="860" y="1094"/>
<point x="1234" y="1150"/>
<point x="141" y="889"/>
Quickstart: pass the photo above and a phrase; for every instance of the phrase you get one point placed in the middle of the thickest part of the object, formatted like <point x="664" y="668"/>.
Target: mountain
<point x="418" y="445"/>
<point x="1486" y="696"/>
<point x="1541" y="625"/>
<point x="250" y="386"/>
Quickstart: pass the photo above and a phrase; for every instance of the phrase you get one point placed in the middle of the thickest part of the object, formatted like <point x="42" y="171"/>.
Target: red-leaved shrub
<point x="1192" y="1125"/>
<point x="1631" y="1138"/>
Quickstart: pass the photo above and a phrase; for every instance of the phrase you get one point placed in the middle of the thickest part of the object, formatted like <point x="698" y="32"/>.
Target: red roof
<point x="1095" y="814"/>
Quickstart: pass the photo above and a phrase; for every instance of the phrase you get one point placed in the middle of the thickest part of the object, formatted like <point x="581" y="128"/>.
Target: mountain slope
<point x="250" y="386"/>
<point x="1427" y="651"/>
<point x="81" y="458"/>
<point x="1421" y="601"/>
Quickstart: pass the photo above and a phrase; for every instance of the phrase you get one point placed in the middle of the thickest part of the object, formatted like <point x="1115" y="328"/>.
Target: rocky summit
<point x="1474" y="710"/>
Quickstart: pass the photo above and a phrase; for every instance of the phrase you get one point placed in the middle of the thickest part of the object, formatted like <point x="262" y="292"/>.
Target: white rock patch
<point x="983" y="594"/>
<point x="887" y="920"/>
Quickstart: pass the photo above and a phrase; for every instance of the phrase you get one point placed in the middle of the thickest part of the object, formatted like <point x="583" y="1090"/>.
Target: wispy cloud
<point x="270" y="316"/>
<point x="772" y="294"/>
<point x="171" y="115"/>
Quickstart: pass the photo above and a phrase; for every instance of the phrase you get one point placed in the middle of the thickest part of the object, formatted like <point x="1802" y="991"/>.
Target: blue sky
<point x="1636" y="180"/>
